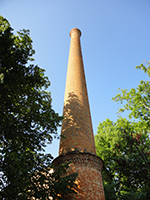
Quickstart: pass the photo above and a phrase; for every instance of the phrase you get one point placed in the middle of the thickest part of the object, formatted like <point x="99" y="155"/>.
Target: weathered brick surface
<point x="89" y="181"/>
<point x="77" y="146"/>
<point x="76" y="126"/>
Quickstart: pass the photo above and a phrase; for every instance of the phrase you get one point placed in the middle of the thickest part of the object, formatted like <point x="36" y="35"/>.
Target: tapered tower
<point x="77" y="142"/>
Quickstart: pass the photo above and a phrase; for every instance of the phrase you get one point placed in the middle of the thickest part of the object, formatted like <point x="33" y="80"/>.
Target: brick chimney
<point x="77" y="144"/>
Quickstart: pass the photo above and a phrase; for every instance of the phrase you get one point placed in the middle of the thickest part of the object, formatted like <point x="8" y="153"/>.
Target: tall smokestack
<point x="77" y="125"/>
<point x="77" y="144"/>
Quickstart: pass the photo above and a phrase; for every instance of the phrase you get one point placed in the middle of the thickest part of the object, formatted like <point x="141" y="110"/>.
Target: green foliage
<point x="125" y="146"/>
<point x="54" y="183"/>
<point x="27" y="120"/>
<point x="137" y="99"/>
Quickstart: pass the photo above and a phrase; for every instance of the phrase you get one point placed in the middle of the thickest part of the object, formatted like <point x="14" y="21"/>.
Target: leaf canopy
<point x="27" y="119"/>
<point x="124" y="145"/>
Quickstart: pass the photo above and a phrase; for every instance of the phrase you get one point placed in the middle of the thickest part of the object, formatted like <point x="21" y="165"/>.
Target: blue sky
<point x="115" y="38"/>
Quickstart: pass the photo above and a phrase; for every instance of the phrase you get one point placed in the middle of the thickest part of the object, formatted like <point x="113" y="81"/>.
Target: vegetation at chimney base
<point x="27" y="123"/>
<point x="124" y="145"/>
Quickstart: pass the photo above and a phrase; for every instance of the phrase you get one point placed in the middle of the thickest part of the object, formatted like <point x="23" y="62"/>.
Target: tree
<point x="27" y="122"/>
<point x="124" y="145"/>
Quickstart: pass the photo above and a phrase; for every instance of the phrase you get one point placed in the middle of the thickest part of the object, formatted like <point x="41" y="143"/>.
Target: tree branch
<point x="145" y="105"/>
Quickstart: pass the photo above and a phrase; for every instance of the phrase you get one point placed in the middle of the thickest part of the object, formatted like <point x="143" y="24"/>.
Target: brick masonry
<point x="89" y="180"/>
<point x="76" y="126"/>
<point x="77" y="142"/>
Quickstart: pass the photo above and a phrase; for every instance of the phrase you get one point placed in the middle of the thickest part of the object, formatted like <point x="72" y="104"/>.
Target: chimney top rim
<point x="75" y="29"/>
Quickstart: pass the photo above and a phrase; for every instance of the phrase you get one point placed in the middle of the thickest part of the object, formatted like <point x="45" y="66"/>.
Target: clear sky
<point x="115" y="38"/>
